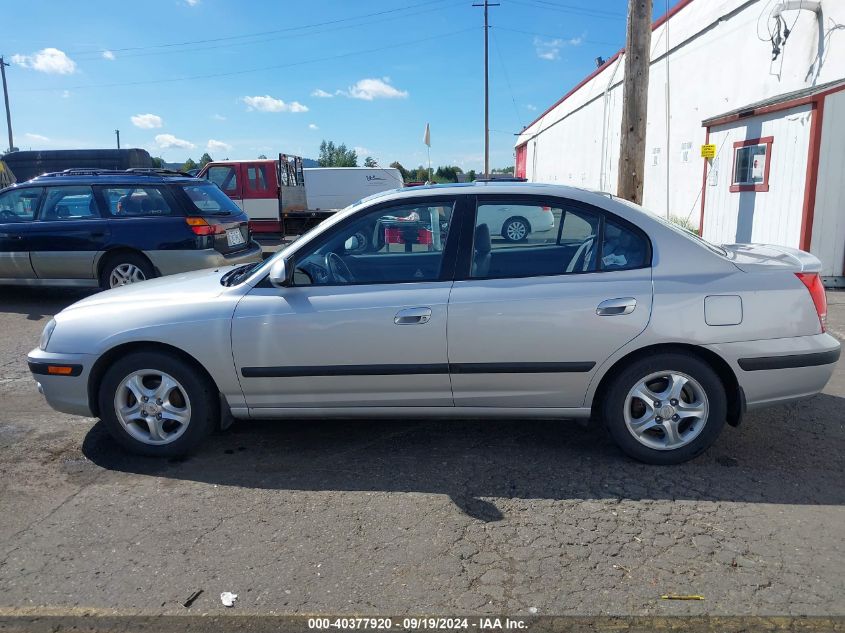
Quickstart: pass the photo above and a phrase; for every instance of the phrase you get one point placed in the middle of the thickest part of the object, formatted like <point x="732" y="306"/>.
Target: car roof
<point x="110" y="177"/>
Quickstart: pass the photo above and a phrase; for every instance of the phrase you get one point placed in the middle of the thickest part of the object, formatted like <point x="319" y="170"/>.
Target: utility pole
<point x="635" y="101"/>
<point x="117" y="133"/>
<point x="486" y="5"/>
<point x="3" y="65"/>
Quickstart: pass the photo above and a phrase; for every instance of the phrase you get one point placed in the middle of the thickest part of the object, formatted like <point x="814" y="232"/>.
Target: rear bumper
<point x="67" y="394"/>
<point x="180" y="261"/>
<point x="774" y="371"/>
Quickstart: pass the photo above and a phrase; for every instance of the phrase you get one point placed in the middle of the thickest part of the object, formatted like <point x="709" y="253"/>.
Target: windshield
<point x="208" y="198"/>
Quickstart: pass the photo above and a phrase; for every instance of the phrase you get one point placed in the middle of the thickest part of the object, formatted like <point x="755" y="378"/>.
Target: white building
<point x="778" y="125"/>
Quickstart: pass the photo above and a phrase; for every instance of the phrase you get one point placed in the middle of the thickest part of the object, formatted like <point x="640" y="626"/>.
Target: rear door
<point x="529" y="322"/>
<point x="69" y="232"/>
<point x="17" y="215"/>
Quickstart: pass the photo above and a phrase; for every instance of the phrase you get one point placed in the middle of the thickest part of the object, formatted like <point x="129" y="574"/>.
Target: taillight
<point x="814" y="285"/>
<point x="201" y="227"/>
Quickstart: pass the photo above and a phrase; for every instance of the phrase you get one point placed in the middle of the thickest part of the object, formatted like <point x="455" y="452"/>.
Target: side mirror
<point x="279" y="275"/>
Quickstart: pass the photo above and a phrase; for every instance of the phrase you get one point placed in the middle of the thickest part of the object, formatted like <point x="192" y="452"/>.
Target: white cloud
<point x="362" y="152"/>
<point x="313" y="126"/>
<point x="533" y="108"/>
<point x="108" y="55"/>
<point x="192" y="3"/>
<point x="217" y="146"/>
<point x="550" y="49"/>
<point x="322" y="94"/>
<point x="146" y="121"/>
<point x="47" y="60"/>
<point x="369" y="89"/>
<point x="65" y="94"/>
<point x="36" y="137"/>
<point x="168" y="141"/>
<point x="218" y="117"/>
<point x="271" y="104"/>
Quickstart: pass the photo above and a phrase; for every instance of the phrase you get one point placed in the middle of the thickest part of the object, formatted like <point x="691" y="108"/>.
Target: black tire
<point x="201" y="393"/>
<point x="114" y="262"/>
<point x="515" y="222"/>
<point x="612" y="408"/>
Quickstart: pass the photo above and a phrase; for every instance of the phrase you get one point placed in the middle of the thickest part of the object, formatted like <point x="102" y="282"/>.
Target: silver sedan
<point x="408" y="304"/>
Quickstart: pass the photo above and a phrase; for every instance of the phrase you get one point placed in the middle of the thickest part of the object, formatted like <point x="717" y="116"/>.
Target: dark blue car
<point x="108" y="228"/>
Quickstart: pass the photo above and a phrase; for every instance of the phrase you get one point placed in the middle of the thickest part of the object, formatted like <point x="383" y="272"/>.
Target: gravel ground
<point x="409" y="516"/>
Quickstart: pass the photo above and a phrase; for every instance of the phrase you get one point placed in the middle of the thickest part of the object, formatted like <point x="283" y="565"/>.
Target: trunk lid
<point x="769" y="258"/>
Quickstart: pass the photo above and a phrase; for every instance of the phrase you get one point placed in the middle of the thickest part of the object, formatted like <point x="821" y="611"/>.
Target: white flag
<point x="427" y="135"/>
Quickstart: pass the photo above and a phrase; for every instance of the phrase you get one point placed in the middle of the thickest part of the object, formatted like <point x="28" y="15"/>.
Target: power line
<point x="255" y="70"/>
<point x="507" y="79"/>
<point x="593" y="13"/>
<point x="263" y="40"/>
<point x="569" y="39"/>
<point x="259" y="33"/>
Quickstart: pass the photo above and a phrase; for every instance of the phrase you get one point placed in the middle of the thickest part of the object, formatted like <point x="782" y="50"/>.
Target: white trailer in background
<point x="338" y="187"/>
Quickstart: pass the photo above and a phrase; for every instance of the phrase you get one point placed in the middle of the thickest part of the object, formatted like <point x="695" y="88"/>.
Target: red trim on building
<point x="763" y="186"/>
<point x="657" y="23"/>
<point x="812" y="177"/>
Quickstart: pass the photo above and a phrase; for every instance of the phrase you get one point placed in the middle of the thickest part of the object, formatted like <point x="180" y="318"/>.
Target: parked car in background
<point x="615" y="315"/>
<point x="113" y="228"/>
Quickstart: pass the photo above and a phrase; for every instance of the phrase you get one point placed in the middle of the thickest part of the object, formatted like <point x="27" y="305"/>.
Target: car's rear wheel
<point x="666" y="408"/>
<point x="515" y="229"/>
<point x="124" y="269"/>
<point x="156" y="404"/>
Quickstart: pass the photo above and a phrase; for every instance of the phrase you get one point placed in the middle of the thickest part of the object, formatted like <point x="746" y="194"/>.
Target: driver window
<point x="392" y="245"/>
<point x="516" y="239"/>
<point x="19" y="205"/>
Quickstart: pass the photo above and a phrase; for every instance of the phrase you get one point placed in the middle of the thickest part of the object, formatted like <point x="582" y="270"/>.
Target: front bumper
<point x="65" y="393"/>
<point x="774" y="371"/>
<point x="180" y="261"/>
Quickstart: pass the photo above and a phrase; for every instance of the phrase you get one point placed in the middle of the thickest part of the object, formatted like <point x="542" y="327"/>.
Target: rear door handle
<point x="614" y="307"/>
<point x="412" y="316"/>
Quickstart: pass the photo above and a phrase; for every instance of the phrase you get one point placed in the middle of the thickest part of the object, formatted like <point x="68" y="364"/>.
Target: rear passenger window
<point x="69" y="203"/>
<point x="522" y="240"/>
<point x="622" y="248"/>
<point x="136" y="201"/>
<point x="257" y="177"/>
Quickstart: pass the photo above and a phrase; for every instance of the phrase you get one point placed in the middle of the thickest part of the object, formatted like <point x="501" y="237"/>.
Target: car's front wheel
<point x="156" y="404"/>
<point x="665" y="408"/>
<point x="515" y="229"/>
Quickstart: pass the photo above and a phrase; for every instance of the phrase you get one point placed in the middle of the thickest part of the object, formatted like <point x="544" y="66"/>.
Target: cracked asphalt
<point x="410" y="516"/>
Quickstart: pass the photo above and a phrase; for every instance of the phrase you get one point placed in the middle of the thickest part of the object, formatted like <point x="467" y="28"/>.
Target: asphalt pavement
<point x="409" y="516"/>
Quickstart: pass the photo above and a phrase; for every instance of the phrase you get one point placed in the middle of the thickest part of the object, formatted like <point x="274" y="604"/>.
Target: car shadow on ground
<point x="792" y="454"/>
<point x="36" y="302"/>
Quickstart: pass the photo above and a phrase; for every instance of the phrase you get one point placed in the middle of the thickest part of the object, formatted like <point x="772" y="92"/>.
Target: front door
<point x="228" y="178"/>
<point x="69" y="233"/>
<point x="17" y="214"/>
<point x="533" y="319"/>
<point x="364" y="323"/>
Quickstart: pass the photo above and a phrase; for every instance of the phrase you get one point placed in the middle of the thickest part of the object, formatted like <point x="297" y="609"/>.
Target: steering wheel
<point x="6" y="214"/>
<point x="338" y="268"/>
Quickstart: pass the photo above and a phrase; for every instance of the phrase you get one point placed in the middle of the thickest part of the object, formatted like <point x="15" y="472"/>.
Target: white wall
<point x="828" y="241"/>
<point x="716" y="64"/>
<point x="773" y="216"/>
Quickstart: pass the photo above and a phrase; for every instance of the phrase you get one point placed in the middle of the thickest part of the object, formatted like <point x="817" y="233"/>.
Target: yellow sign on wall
<point x="708" y="151"/>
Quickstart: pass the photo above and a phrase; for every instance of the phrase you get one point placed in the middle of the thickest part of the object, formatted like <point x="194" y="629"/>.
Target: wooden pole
<point x="3" y="65"/>
<point x="635" y="101"/>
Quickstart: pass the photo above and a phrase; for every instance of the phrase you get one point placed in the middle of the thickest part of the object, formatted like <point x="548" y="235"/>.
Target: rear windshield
<point x="209" y="199"/>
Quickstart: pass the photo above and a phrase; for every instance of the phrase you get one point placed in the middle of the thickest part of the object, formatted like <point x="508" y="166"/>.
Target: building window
<point x="752" y="159"/>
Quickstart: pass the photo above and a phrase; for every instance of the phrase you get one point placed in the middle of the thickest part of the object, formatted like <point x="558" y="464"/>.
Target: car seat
<point x="483" y="246"/>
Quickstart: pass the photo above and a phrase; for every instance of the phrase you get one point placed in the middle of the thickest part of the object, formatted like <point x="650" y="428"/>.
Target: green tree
<point x="503" y="170"/>
<point x="404" y="172"/>
<point x="189" y="165"/>
<point x="262" y="157"/>
<point x="471" y="175"/>
<point x="332" y="155"/>
<point x="158" y="162"/>
<point x="204" y="160"/>
<point x="369" y="161"/>
<point x="447" y="173"/>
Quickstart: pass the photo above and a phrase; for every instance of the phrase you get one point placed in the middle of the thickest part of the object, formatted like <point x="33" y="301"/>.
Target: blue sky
<point x="239" y="79"/>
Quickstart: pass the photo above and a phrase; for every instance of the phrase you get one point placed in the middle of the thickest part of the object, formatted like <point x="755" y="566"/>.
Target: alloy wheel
<point x="152" y="406"/>
<point x="516" y="230"/>
<point x="125" y="274"/>
<point x="666" y="410"/>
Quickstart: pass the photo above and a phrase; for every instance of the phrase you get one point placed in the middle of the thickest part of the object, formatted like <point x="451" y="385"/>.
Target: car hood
<point x="183" y="288"/>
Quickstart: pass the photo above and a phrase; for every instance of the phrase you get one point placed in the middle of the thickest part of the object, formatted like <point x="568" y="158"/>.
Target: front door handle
<point x="614" y="307"/>
<point x="412" y="316"/>
<point x="10" y="236"/>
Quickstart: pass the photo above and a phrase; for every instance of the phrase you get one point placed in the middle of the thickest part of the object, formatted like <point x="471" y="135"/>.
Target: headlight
<point x="46" y="334"/>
